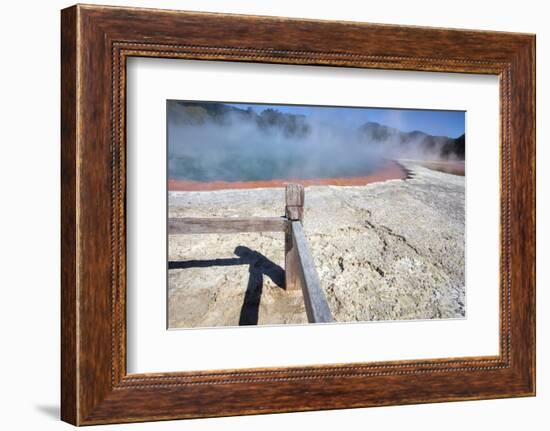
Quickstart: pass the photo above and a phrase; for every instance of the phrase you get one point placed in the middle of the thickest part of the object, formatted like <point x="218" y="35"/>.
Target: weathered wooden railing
<point x="300" y="272"/>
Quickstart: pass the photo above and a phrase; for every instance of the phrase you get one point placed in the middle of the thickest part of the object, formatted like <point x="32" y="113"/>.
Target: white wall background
<point x="29" y="214"/>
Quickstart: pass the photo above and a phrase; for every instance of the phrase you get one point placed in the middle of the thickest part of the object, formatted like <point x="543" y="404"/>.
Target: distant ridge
<point x="381" y="137"/>
<point x="444" y="146"/>
<point x="197" y="113"/>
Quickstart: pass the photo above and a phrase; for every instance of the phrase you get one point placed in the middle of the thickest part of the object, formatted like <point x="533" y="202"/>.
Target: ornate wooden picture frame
<point x="96" y="41"/>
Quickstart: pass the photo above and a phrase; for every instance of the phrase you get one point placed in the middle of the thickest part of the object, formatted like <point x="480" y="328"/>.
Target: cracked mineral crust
<point x="392" y="250"/>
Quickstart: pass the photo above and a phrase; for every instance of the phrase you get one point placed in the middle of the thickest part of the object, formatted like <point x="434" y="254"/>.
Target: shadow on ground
<point x="52" y="411"/>
<point x="259" y="265"/>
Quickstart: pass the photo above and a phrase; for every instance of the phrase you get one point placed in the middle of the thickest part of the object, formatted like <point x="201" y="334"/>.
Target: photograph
<point x="296" y="214"/>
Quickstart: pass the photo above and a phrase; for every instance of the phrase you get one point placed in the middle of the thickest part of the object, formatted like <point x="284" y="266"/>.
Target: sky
<point x="433" y="122"/>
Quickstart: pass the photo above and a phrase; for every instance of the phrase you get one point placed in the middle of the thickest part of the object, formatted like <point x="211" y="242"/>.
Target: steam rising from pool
<point x="218" y="142"/>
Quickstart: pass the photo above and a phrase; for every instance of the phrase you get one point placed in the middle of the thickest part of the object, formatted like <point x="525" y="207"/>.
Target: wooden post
<point x="294" y="195"/>
<point x="294" y="210"/>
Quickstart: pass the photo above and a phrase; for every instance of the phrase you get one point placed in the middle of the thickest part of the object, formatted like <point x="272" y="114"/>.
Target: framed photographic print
<point x="324" y="214"/>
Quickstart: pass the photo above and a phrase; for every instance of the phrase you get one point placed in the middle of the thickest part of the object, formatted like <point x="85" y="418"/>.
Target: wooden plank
<point x="317" y="308"/>
<point x="294" y="202"/>
<point x="182" y="226"/>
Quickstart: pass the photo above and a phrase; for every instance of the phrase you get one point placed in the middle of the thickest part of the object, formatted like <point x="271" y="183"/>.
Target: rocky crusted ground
<point x="385" y="251"/>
